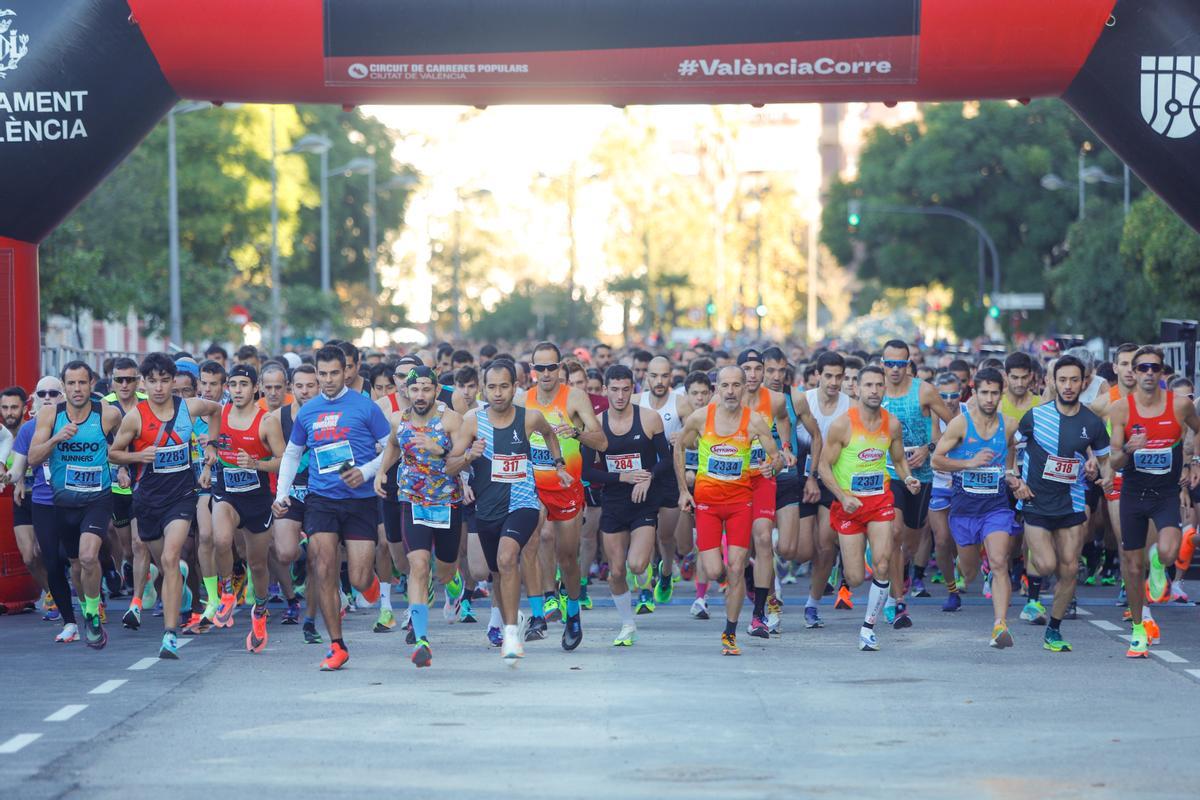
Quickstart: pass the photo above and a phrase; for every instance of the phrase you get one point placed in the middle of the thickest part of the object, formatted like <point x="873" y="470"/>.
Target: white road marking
<point x="1104" y="625"/>
<point x="1083" y="612"/>
<point x="65" y="713"/>
<point x="145" y="663"/>
<point x="181" y="641"/>
<point x="1195" y="673"/>
<point x="108" y="687"/>
<point x="18" y="742"/>
<point x="1168" y="656"/>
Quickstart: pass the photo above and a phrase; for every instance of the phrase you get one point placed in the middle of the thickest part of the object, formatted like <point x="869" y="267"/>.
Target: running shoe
<point x="1138" y="645"/>
<point x="627" y="636"/>
<point x="699" y="608"/>
<point x="1178" y="595"/>
<point x="311" y="634"/>
<point x="536" y="629"/>
<point x="1126" y="615"/>
<point x="196" y="624"/>
<point x="758" y="627"/>
<point x="422" y="656"/>
<point x="774" y="613"/>
<point x="1108" y="576"/>
<point x="987" y="586"/>
<point x="729" y="646"/>
<point x="1153" y="632"/>
<point x="553" y="611"/>
<point x="149" y="593"/>
<point x="1157" y="586"/>
<point x="335" y="659"/>
<point x="572" y="633"/>
<point x="903" y="620"/>
<point x="585" y="599"/>
<point x="291" y="614"/>
<point x="1001" y="638"/>
<point x="274" y="593"/>
<point x="170" y="647"/>
<point x="918" y="588"/>
<point x="112" y="583"/>
<point x="132" y="618"/>
<point x="512" y="650"/>
<point x="69" y="633"/>
<point x="889" y="614"/>
<point x="1054" y="642"/>
<point x="867" y="641"/>
<point x="687" y="567"/>
<point x="495" y="636"/>
<point x="845" y="600"/>
<point x="936" y="577"/>
<point x="452" y="606"/>
<point x="256" y="640"/>
<point x="464" y="612"/>
<point x="664" y="588"/>
<point x="1034" y="613"/>
<point x="811" y="618"/>
<point x="953" y="602"/>
<point x="1072" y="610"/>
<point x="224" y="618"/>
<point x="481" y="592"/>
<point x="645" y="603"/>
<point x="238" y="583"/>
<point x="385" y="622"/>
<point x="53" y="615"/>
<point x="1122" y="597"/>
<point x="104" y="613"/>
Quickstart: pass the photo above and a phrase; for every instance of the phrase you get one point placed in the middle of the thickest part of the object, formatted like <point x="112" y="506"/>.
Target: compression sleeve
<point x="370" y="468"/>
<point x="289" y="465"/>
<point x="593" y="472"/>
<point x="666" y="462"/>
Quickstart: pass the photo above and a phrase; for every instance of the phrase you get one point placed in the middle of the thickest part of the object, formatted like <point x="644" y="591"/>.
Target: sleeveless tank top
<point x="628" y="452"/>
<point x="981" y="490"/>
<point x="801" y="441"/>
<point x="169" y="477"/>
<point x="1155" y="468"/>
<point x="762" y="405"/>
<point x="112" y="399"/>
<point x="723" y="470"/>
<point x="669" y="413"/>
<point x="79" y="470"/>
<point x="861" y="466"/>
<point x="232" y="479"/>
<point x="918" y="428"/>
<point x="300" y="483"/>
<point x="544" y="472"/>
<point x="825" y="420"/>
<point x="423" y="480"/>
<point x="502" y="477"/>
<point x="391" y="479"/>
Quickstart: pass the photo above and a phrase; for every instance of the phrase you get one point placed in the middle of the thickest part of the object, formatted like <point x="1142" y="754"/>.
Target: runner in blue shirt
<point x="343" y="432"/>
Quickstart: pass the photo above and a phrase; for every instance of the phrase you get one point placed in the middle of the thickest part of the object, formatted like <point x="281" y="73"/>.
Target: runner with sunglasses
<point x="1147" y="442"/>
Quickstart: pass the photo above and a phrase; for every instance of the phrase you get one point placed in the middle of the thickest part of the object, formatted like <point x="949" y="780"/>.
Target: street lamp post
<point x="173" y="277"/>
<point x="361" y="166"/>
<point x="456" y="263"/>
<point x="1084" y="176"/>
<point x="316" y="143"/>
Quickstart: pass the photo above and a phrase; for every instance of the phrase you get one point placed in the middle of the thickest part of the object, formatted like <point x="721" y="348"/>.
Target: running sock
<point x="1035" y="588"/>
<point x="385" y="596"/>
<point x="701" y="588"/>
<point x="420" y="620"/>
<point x="137" y="601"/>
<point x="624" y="604"/>
<point x="810" y="603"/>
<point x="340" y="643"/>
<point x="310" y="620"/>
<point x="250" y="584"/>
<point x="537" y="605"/>
<point x="731" y="627"/>
<point x="454" y="586"/>
<point x="876" y="600"/>
<point x="1146" y="614"/>
<point x="572" y="607"/>
<point x="212" y="593"/>
<point x="91" y="606"/>
<point x="1054" y="623"/>
<point x="494" y="619"/>
<point x="918" y="574"/>
<point x="760" y="601"/>
<point x="891" y="601"/>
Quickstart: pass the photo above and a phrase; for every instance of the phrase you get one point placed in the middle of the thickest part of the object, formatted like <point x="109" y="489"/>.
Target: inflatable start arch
<point x="82" y="81"/>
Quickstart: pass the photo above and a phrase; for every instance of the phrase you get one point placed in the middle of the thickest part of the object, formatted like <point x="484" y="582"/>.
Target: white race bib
<point x="431" y="516"/>
<point x="172" y="458"/>
<point x="82" y="479"/>
<point x="866" y="484"/>
<point x="807" y="466"/>
<point x="624" y="463"/>
<point x="724" y="468"/>
<point x="510" y="468"/>
<point x="981" y="481"/>
<point x="691" y="459"/>
<point x="240" y="480"/>
<point x="1061" y="470"/>
<point x="1154" y="461"/>
<point x="330" y="457"/>
<point x="540" y="457"/>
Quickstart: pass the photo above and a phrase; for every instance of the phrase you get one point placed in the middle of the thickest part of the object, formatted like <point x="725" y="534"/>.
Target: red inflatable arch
<point x="82" y="81"/>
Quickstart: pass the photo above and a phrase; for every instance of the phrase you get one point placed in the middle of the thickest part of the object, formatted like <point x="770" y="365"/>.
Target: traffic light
<point x="761" y="310"/>
<point x="994" y="312"/>
<point x="853" y="213"/>
<point x="711" y="308"/>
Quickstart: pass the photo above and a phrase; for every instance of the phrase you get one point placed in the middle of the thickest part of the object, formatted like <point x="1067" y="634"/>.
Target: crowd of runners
<point x="313" y="484"/>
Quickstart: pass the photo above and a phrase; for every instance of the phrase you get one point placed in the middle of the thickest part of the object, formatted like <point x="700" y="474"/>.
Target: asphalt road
<point x="935" y="713"/>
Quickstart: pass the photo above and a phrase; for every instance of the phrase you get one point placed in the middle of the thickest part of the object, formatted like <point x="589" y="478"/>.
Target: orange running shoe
<point x="224" y="618"/>
<point x="844" y="599"/>
<point x="195" y="625"/>
<point x="371" y="595"/>
<point x="1127" y="615"/>
<point x="1153" y="633"/>
<point x="256" y="640"/>
<point x="335" y="659"/>
<point x="729" y="646"/>
<point x="1187" y="549"/>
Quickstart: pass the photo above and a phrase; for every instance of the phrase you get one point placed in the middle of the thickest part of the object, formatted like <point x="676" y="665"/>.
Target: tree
<point x="1167" y="252"/>
<point x="541" y="311"/>
<point x="627" y="288"/>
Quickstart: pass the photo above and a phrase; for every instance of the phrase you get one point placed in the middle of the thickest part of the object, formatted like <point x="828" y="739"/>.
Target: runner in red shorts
<point x="722" y="433"/>
<point x="854" y="467"/>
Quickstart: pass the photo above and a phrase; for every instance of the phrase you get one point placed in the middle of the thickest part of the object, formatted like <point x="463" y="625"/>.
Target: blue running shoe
<point x="811" y="618"/>
<point x="495" y="636"/>
<point x="953" y="602"/>
<point x="170" y="647"/>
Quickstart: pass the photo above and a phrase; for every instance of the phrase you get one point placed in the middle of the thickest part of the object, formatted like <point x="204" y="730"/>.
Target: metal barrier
<point x="54" y="358"/>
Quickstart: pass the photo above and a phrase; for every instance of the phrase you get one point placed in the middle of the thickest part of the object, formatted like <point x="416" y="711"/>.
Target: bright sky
<point x="504" y="148"/>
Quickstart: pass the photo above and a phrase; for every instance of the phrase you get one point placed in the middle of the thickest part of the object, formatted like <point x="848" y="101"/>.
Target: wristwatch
<point x="560" y="464"/>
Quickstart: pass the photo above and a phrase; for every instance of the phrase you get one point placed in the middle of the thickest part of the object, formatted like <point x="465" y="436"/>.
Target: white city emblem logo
<point x="357" y="71"/>
<point x="13" y="45"/>
<point x="1171" y="94"/>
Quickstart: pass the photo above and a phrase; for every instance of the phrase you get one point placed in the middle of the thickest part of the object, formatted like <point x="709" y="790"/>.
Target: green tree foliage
<point x="1168" y="253"/>
<point x="533" y="311"/>
<point x="986" y="160"/>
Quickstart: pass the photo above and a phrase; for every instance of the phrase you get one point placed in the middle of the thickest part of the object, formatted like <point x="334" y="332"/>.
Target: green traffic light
<point x="854" y="219"/>
<point x="711" y="308"/>
<point x="994" y="312"/>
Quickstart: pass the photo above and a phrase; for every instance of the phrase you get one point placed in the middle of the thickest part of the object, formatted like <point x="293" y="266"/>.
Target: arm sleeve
<point x="289" y="465"/>
<point x="6" y="444"/>
<point x="592" y="472"/>
<point x="370" y="468"/>
<point x="1025" y="427"/>
<point x="666" y="461"/>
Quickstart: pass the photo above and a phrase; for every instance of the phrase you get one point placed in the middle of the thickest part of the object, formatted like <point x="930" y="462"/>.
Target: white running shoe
<point x="867" y="640"/>
<point x="627" y="636"/>
<point x="700" y="608"/>
<point x="69" y="633"/>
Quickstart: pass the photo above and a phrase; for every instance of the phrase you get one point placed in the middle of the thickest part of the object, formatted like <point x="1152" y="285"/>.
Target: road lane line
<point x="1168" y="656"/>
<point x="1104" y="625"/>
<point x="65" y="713"/>
<point x="18" y="742"/>
<point x="1195" y="673"/>
<point x="108" y="687"/>
<point x="145" y="663"/>
<point x="1083" y="612"/>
